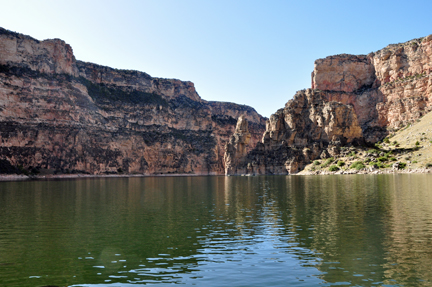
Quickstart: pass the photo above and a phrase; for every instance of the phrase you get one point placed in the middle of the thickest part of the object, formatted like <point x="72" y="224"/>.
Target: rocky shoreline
<point x="367" y="171"/>
<point x="20" y="177"/>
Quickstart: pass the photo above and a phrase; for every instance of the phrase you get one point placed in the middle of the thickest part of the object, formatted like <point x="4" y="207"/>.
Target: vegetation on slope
<point x="407" y="149"/>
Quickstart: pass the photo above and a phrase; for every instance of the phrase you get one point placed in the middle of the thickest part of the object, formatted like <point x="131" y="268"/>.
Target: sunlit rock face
<point x="295" y="135"/>
<point x="343" y="73"/>
<point x="353" y="100"/>
<point x="236" y="147"/>
<point x="388" y="89"/>
<point x="61" y="115"/>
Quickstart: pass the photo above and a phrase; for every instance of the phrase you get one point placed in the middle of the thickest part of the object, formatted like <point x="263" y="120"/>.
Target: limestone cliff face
<point x="49" y="56"/>
<point x="236" y="147"/>
<point x="295" y="135"/>
<point x="343" y="73"/>
<point x="62" y="115"/>
<point x="354" y="99"/>
<point x="388" y="89"/>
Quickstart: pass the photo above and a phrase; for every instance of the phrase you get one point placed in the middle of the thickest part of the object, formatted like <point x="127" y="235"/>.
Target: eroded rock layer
<point x="58" y="114"/>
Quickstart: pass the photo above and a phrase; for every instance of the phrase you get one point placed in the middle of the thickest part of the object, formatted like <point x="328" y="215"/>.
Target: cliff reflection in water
<point x="215" y="231"/>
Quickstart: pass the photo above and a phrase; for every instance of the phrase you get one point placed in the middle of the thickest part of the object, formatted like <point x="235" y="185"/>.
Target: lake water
<point x="354" y="230"/>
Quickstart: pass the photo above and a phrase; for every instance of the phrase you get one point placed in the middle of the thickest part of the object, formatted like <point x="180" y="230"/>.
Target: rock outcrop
<point x="297" y="134"/>
<point x="388" y="89"/>
<point x="236" y="147"/>
<point x="353" y="100"/>
<point x="60" y="115"/>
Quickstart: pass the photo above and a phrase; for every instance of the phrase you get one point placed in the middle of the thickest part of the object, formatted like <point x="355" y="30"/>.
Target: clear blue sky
<point x="257" y="53"/>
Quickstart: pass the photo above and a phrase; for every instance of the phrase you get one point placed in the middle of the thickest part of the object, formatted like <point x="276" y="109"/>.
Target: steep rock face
<point x="343" y="73"/>
<point x="388" y="89"/>
<point x="354" y="99"/>
<point x="298" y="134"/>
<point x="236" y="147"/>
<point x="227" y="114"/>
<point x="62" y="115"/>
<point x="139" y="81"/>
<point x="49" y="56"/>
<point x="404" y="78"/>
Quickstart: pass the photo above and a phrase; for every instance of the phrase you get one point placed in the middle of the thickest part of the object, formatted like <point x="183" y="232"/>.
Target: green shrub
<point x="402" y="165"/>
<point x="317" y="162"/>
<point x="377" y="165"/>
<point x="333" y="168"/>
<point x="382" y="158"/>
<point x="353" y="153"/>
<point x="358" y="165"/>
<point x="415" y="161"/>
<point x="328" y="162"/>
<point x="386" y="140"/>
<point x="340" y="163"/>
<point x="392" y="158"/>
<point x="417" y="143"/>
<point x="428" y="165"/>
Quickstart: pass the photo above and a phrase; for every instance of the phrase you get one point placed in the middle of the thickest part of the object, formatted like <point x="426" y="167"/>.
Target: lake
<point x="353" y="230"/>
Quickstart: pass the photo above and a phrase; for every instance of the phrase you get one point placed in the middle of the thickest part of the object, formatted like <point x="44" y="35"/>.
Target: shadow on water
<point x="359" y="230"/>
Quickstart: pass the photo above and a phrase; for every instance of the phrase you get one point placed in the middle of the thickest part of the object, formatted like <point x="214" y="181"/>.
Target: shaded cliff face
<point x="354" y="99"/>
<point x="62" y="115"/>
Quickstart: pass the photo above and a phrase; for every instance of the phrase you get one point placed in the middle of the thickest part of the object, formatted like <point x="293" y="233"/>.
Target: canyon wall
<point x="60" y="115"/>
<point x="352" y="100"/>
<point x="388" y="89"/>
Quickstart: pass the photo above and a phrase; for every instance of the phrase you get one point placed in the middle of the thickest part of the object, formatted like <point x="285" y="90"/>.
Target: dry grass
<point x="421" y="132"/>
<point x="413" y="146"/>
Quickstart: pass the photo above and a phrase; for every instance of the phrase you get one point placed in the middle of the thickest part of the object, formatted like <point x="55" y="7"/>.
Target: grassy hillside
<point x="419" y="137"/>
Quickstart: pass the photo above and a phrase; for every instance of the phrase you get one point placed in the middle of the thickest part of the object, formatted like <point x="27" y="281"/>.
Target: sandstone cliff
<point x="353" y="100"/>
<point x="388" y="89"/>
<point x="61" y="115"/>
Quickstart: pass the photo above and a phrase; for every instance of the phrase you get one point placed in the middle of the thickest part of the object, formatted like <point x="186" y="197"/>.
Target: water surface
<point x="354" y="230"/>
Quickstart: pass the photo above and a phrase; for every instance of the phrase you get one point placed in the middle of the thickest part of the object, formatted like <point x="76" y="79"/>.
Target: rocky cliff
<point x="353" y="100"/>
<point x="61" y="115"/>
<point x="388" y="89"/>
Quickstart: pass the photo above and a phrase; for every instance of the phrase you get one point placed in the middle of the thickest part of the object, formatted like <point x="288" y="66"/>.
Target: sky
<point x="257" y="53"/>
